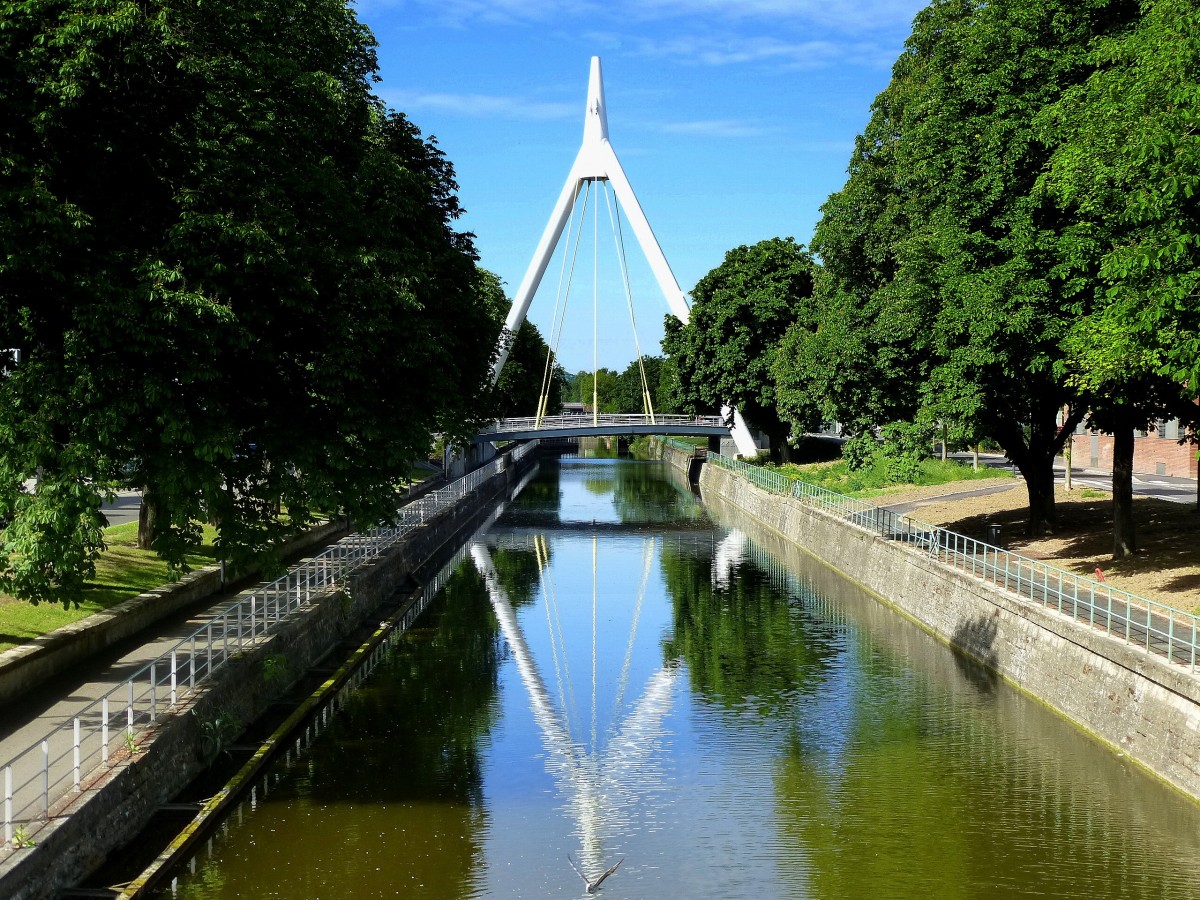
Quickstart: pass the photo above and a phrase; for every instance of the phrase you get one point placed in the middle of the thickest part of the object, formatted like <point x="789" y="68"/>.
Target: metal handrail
<point x="549" y="423"/>
<point x="106" y="729"/>
<point x="1151" y="626"/>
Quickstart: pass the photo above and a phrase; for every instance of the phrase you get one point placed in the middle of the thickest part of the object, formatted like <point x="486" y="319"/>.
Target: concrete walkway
<point x="58" y="700"/>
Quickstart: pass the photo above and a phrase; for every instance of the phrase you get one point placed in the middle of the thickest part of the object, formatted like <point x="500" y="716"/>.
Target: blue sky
<point x="733" y="121"/>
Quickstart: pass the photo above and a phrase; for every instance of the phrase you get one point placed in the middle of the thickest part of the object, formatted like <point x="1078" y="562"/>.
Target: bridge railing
<point x="617" y="420"/>
<point x="1138" y="621"/>
<point x="59" y="763"/>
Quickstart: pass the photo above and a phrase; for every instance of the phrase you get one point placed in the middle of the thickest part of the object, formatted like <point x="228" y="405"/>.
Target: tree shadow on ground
<point x="1168" y="535"/>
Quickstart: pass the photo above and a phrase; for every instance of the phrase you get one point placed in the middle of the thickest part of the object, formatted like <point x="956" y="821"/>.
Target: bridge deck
<point x="529" y="427"/>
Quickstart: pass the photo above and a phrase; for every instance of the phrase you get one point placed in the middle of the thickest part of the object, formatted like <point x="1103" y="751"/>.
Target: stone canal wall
<point x="1137" y="703"/>
<point x="118" y="799"/>
<point x="679" y="460"/>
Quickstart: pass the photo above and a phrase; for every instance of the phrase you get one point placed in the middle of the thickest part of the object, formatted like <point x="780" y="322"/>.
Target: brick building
<point x="1155" y="452"/>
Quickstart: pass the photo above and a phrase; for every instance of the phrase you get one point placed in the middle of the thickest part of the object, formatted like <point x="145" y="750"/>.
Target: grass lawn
<point x="122" y="571"/>
<point x="875" y="480"/>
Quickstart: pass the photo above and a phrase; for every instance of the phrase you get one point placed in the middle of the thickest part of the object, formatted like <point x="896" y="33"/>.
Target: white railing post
<point x="8" y="829"/>
<point x="174" y="678"/>
<point x="46" y="778"/>
<point x="104" y="727"/>
<point x="75" y="755"/>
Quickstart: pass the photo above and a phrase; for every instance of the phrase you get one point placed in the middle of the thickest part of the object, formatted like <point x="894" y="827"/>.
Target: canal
<point x="611" y="675"/>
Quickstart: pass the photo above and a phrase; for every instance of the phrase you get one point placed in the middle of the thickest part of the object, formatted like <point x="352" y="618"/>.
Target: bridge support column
<point x="714" y="443"/>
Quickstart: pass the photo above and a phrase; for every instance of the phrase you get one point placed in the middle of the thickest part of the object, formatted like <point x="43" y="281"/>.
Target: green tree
<point x="606" y="395"/>
<point x="666" y="398"/>
<point x="1127" y="166"/>
<point x="740" y="312"/>
<point x="946" y="300"/>
<point x="631" y="386"/>
<point x="530" y="369"/>
<point x="227" y="265"/>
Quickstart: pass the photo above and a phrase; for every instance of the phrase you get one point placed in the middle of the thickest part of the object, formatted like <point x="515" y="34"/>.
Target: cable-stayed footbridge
<point x="571" y="426"/>
<point x="596" y="169"/>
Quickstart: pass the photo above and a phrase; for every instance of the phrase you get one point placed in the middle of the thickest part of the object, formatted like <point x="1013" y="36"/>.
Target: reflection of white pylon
<point x="599" y="786"/>
<point x="597" y="161"/>
<point x="726" y="556"/>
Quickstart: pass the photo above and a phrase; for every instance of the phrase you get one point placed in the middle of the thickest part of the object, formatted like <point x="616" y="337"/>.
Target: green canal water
<point x="611" y="675"/>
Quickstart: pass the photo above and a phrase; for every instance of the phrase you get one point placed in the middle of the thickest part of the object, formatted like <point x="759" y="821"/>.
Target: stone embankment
<point x="1138" y="703"/>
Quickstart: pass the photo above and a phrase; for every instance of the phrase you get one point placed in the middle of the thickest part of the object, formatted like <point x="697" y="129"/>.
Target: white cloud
<point x="724" y="51"/>
<point x="484" y="106"/>
<point x="844" y="15"/>
<point x="471" y="12"/>
<point x="770" y="52"/>
<point x="720" y="128"/>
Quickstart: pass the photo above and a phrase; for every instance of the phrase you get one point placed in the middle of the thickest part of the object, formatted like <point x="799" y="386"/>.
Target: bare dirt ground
<point x="1166" y="568"/>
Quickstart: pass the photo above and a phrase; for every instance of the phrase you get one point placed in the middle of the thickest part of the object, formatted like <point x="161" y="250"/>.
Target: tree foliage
<point x="228" y="267"/>
<point x="601" y="389"/>
<point x="1129" y="163"/>
<point x="945" y="296"/>
<point x="632" y="388"/>
<point x="530" y="368"/>
<point x="740" y="312"/>
<point x="1127" y="166"/>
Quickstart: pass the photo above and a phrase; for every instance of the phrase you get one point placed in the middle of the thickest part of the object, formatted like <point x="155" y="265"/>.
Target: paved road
<point x="1163" y="487"/>
<point x="124" y="508"/>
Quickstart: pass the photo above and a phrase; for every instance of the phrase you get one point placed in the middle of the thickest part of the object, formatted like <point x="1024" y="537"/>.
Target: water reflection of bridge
<point x="525" y="532"/>
<point x="599" y="775"/>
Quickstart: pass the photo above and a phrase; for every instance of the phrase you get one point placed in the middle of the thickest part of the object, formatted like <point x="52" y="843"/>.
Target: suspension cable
<point x="619" y="239"/>
<point x="557" y="330"/>
<point x="648" y="556"/>
<point x="555" y="321"/>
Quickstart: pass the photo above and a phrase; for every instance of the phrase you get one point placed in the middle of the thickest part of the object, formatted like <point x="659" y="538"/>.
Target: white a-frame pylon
<point x="596" y="161"/>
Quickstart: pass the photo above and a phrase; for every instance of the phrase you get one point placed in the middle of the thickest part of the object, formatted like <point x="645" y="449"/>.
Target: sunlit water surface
<point x="610" y="676"/>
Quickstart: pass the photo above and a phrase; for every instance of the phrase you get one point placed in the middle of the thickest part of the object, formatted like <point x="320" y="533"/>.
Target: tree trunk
<point x="1039" y="485"/>
<point x="781" y="450"/>
<point x="1033" y="455"/>
<point x="1124" y="538"/>
<point x="148" y="521"/>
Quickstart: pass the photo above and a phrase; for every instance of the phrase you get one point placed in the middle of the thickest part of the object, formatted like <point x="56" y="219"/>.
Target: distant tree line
<point x="1016" y="251"/>
<point x="626" y="392"/>
<point x="233" y="277"/>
